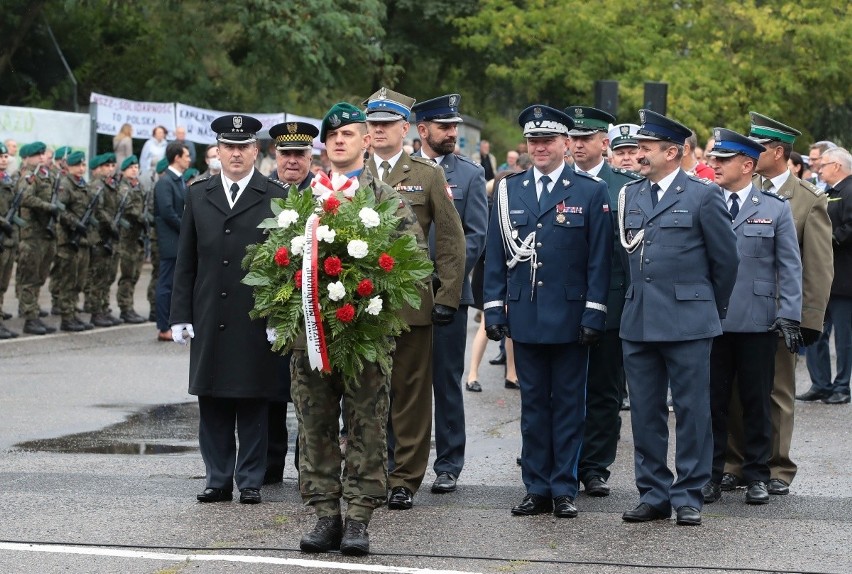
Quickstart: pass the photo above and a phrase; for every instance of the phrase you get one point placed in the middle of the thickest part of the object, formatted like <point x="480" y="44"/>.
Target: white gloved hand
<point x="271" y="334"/>
<point x="177" y="332"/>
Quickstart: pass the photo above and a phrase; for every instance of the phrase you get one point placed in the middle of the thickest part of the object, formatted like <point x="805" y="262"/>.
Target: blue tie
<point x="655" y="189"/>
<point x="735" y="206"/>
<point x="545" y="181"/>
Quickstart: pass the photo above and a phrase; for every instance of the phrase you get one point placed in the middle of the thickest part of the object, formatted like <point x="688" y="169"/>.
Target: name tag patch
<point x="763" y="221"/>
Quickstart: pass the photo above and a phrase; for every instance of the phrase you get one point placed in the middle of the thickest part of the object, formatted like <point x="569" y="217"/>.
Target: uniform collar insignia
<point x="565" y="182"/>
<point x="526" y="182"/>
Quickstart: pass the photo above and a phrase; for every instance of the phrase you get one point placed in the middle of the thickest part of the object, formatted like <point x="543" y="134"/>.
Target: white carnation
<point x="374" y="307"/>
<point x="336" y="291"/>
<point x="325" y="233"/>
<point x="369" y="217"/>
<point x="297" y="245"/>
<point x="357" y="248"/>
<point x="287" y="218"/>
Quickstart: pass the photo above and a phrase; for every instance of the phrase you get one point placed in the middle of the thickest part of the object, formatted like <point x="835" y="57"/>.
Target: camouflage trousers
<point x="130" y="263"/>
<point x="69" y="274"/>
<point x="7" y="261"/>
<point x="155" y="271"/>
<point x="35" y="256"/>
<point x="316" y="397"/>
<point x="103" y="268"/>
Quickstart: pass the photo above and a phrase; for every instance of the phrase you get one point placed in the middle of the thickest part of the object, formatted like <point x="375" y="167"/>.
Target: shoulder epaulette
<point x="811" y="187"/>
<point x="627" y="173"/>
<point x="424" y="161"/>
<point x="635" y="181"/>
<point x="199" y="180"/>
<point x="703" y="180"/>
<point x="773" y="194"/>
<point x="466" y="159"/>
<point x="279" y="183"/>
<point x="515" y="174"/>
<point x="588" y="176"/>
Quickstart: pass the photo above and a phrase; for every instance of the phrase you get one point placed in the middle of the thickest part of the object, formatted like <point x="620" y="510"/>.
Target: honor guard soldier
<point x="9" y="235"/>
<point x="767" y="300"/>
<point x="40" y="207"/>
<point x="624" y="146"/>
<point x="131" y="246"/>
<point x="293" y="144"/>
<point x="588" y="144"/>
<point x="813" y="229"/>
<point x="423" y="185"/>
<point x="365" y="400"/>
<point x="547" y="271"/>
<point x="683" y="264"/>
<point x="231" y="368"/>
<point x="437" y="126"/>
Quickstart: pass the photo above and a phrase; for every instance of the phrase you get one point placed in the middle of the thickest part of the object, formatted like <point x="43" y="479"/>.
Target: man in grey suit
<point x="767" y="299"/>
<point x="683" y="264"/>
<point x="437" y="125"/>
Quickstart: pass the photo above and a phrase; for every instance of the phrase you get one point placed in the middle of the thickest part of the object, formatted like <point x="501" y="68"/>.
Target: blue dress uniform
<point x="549" y="265"/>
<point x="466" y="180"/>
<point x="683" y="263"/>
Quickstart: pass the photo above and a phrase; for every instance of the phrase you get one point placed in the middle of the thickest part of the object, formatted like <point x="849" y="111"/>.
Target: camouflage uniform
<point x="38" y="245"/>
<point x="130" y="246"/>
<point x="155" y="255"/>
<point x="316" y="398"/>
<point x="72" y="261"/>
<point x="103" y="265"/>
<point x="57" y="174"/>
<point x="8" y="242"/>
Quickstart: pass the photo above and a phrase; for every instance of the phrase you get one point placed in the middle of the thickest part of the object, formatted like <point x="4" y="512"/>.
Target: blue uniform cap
<point x="729" y="143"/>
<point x="539" y="121"/>
<point x="443" y="109"/>
<point x="658" y="127"/>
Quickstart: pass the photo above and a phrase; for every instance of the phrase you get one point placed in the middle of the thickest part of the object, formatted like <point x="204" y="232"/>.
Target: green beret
<point x="75" y="158"/>
<point x="341" y="114"/>
<point x="97" y="161"/>
<point x="34" y="148"/>
<point x="190" y="173"/>
<point x="162" y="165"/>
<point x="132" y="160"/>
<point x="62" y="152"/>
<point x="3" y="148"/>
<point x="109" y="157"/>
<point x="24" y="150"/>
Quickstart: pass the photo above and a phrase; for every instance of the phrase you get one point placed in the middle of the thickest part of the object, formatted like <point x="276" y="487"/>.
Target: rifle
<point x="12" y="217"/>
<point x="118" y="218"/>
<point x="145" y="236"/>
<point x="54" y="200"/>
<point x="87" y="219"/>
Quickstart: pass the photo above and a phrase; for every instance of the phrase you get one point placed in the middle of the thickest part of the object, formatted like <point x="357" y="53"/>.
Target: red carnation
<point x="331" y="204"/>
<point x="297" y="278"/>
<point x="365" y="287"/>
<point x="346" y="313"/>
<point x="386" y="262"/>
<point x="332" y="266"/>
<point x="282" y="257"/>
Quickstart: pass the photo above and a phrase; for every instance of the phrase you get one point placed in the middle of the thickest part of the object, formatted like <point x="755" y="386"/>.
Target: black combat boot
<point x="34" y="327"/>
<point x="325" y="536"/>
<point x="356" y="541"/>
<point x="71" y="325"/>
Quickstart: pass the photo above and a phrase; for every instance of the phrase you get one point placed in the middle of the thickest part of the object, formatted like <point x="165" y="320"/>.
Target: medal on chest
<point x="560" y="212"/>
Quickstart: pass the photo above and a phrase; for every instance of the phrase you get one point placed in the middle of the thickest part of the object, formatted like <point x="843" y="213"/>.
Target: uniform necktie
<point x="385" y="170"/>
<point x="735" y="206"/>
<point x="655" y="189"/>
<point x="545" y="181"/>
<point x="766" y="185"/>
<point x="235" y="189"/>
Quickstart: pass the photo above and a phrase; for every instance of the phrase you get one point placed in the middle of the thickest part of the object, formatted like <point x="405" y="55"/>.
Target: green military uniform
<point x="72" y="252"/>
<point x="154" y="245"/>
<point x="131" y="251"/>
<point x="57" y="173"/>
<point x="38" y="244"/>
<point x="9" y="238"/>
<point x="423" y="185"/>
<point x="103" y="265"/>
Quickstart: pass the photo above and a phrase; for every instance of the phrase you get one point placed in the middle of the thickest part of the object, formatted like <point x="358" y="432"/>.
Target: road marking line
<point x="120" y="553"/>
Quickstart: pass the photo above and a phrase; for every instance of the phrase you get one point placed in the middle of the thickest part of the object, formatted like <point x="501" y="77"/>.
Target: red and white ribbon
<point x="316" y="347"/>
<point x="323" y="186"/>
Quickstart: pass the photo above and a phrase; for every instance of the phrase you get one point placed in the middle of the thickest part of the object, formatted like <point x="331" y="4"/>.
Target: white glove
<point x="271" y="334"/>
<point x="177" y="332"/>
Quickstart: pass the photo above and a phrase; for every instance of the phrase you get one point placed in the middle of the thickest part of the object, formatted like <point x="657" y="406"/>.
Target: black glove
<point x="809" y="336"/>
<point x="497" y="332"/>
<point x="442" y="315"/>
<point x="791" y="332"/>
<point x="589" y="336"/>
<point x="6" y="228"/>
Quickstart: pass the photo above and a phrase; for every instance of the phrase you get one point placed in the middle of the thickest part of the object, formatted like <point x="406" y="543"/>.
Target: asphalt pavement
<point x="99" y="469"/>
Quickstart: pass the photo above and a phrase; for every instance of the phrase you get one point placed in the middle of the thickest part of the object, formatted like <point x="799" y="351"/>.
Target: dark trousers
<point x="164" y="292"/>
<point x="748" y="358"/>
<point x="276" y="450"/>
<point x="448" y="346"/>
<point x="838" y="317"/>
<point x="650" y="368"/>
<point x="218" y="418"/>
<point x="553" y="403"/>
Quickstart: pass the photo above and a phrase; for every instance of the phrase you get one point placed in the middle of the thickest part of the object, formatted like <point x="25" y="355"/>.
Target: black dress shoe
<point x="597" y="486"/>
<point x="33" y="327"/>
<point x="400" y="498"/>
<point x="325" y="536"/>
<point x="532" y="505"/>
<point x="730" y="482"/>
<point x="711" y="492"/>
<point x="778" y="487"/>
<point x="688" y="516"/>
<point x="250" y="496"/>
<point x="273" y="475"/>
<point x="813" y="395"/>
<point x="499" y="359"/>
<point x="356" y="541"/>
<point x="473" y="386"/>
<point x="215" y="495"/>
<point x="512" y="385"/>
<point x="563" y="507"/>
<point x="445" y="482"/>
<point x="518" y="461"/>
<point x="838" y="398"/>
<point x="756" y="493"/>
<point x="644" y="513"/>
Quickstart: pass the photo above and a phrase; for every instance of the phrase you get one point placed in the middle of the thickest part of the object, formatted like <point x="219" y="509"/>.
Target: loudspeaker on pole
<point x="656" y="95"/>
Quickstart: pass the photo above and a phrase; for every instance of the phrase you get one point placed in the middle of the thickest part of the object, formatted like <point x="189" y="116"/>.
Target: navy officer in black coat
<point x="547" y="270"/>
<point x="683" y="264"/>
